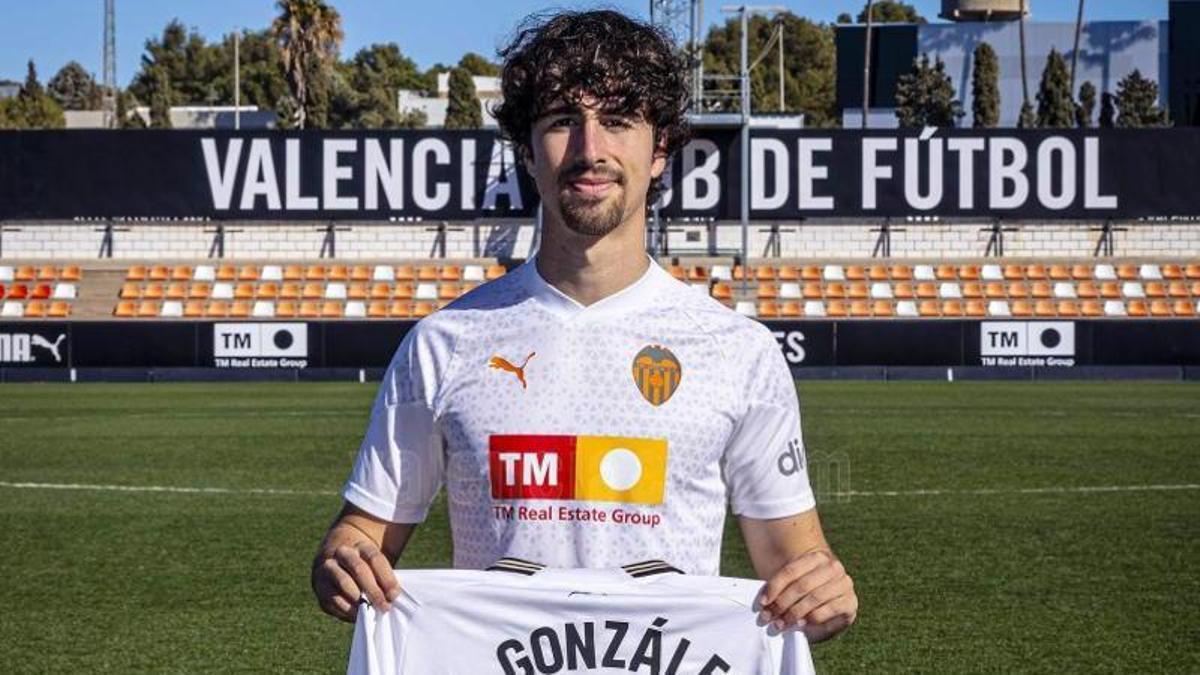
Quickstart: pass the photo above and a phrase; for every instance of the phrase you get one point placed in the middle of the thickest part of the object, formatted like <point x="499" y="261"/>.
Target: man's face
<point x="592" y="168"/>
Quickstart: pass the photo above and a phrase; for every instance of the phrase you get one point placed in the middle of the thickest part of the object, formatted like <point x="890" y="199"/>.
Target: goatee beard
<point x="591" y="218"/>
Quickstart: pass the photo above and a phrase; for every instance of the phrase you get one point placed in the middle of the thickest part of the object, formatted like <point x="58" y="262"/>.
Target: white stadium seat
<point x="746" y="308"/>
<point x="64" y="291"/>
<point x="271" y="273"/>
<point x="1114" y="308"/>
<point x="1133" y="289"/>
<point x="998" y="308"/>
<point x="263" y="309"/>
<point x="1104" y="272"/>
<point x="950" y="290"/>
<point x="356" y="309"/>
<point x="171" y="309"/>
<point x="335" y="291"/>
<point x="222" y="291"/>
<point x="991" y="273"/>
<point x="1064" y="290"/>
<point x="426" y="291"/>
<point x="906" y="308"/>
<point x="720" y="273"/>
<point x="204" y="273"/>
<point x="924" y="273"/>
<point x="1150" y="272"/>
<point x="789" y="290"/>
<point x="383" y="273"/>
<point x="6" y="273"/>
<point x="881" y="290"/>
<point x="473" y="273"/>
<point x="12" y="310"/>
<point x="834" y="273"/>
<point x="814" y="308"/>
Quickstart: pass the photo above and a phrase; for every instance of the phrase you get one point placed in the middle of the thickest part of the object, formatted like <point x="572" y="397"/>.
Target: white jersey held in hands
<point x="585" y="436"/>
<point x="458" y="622"/>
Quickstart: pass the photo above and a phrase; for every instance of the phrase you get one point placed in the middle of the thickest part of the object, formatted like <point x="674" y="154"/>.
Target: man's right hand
<point x="350" y="563"/>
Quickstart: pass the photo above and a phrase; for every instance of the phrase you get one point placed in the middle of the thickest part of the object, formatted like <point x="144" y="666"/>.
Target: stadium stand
<point x="771" y="289"/>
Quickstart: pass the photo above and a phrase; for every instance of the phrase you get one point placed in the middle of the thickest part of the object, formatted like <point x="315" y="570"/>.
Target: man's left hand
<point x="813" y="593"/>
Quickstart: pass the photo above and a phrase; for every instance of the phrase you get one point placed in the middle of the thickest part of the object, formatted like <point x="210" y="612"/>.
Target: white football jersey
<point x="457" y="622"/>
<point x="584" y="436"/>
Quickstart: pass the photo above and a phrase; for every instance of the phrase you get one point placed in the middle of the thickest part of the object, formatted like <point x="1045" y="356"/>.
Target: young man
<point x="587" y="410"/>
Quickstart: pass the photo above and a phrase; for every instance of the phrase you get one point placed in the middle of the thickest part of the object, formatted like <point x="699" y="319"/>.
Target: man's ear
<point x="525" y="157"/>
<point x="660" y="159"/>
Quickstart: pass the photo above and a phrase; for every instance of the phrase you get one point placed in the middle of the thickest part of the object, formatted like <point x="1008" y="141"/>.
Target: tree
<point x="33" y="108"/>
<point x="363" y="95"/>
<point x="160" y="101"/>
<point x="309" y="34"/>
<point x="925" y="97"/>
<point x="262" y="79"/>
<point x="808" y="67"/>
<point x="890" y="11"/>
<point x="1028" y="118"/>
<point x="1056" y="108"/>
<point x="844" y="17"/>
<point x="985" y="87"/>
<point x="73" y="88"/>
<point x="1137" y="103"/>
<point x="463" y="110"/>
<point x="477" y="65"/>
<point x="1087" y="105"/>
<point x="126" y="117"/>
<point x="1108" y="110"/>
<point x="200" y="73"/>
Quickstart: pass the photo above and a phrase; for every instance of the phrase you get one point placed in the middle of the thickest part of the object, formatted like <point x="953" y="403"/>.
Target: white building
<point x="487" y="90"/>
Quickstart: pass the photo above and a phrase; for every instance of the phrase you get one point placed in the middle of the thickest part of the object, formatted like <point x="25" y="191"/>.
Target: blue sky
<point x="53" y="32"/>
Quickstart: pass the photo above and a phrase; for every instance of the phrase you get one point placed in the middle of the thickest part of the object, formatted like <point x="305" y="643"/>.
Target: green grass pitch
<point x="954" y="506"/>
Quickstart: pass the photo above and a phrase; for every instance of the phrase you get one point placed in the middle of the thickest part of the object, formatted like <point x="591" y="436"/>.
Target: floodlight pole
<point x="237" y="80"/>
<point x="745" y="11"/>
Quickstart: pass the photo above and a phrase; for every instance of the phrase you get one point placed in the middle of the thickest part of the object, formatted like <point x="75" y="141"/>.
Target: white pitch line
<point x="1083" y="489"/>
<point x="163" y="488"/>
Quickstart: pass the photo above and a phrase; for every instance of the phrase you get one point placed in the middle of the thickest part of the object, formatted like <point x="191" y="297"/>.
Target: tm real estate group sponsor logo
<point x="1027" y="343"/>
<point x="260" y="345"/>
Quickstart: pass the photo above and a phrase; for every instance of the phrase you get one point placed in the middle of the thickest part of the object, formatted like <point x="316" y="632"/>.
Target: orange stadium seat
<point x="309" y="309"/>
<point x="811" y="273"/>
<point x="1018" y="289"/>
<point x="243" y="291"/>
<point x="494" y="272"/>
<point x="767" y="309"/>
<point x="901" y="273"/>
<point x="293" y="273"/>
<point x="677" y="272"/>
<point x="427" y="273"/>
<point x="767" y="290"/>
<point x="968" y="272"/>
<point x="200" y="290"/>
<point x="1196" y="289"/>
<point x="239" y="309"/>
<point x="812" y="290"/>
<point x="1091" y="308"/>
<point x="159" y="273"/>
<point x="856" y="273"/>
<point x="26" y="273"/>
<point x="18" y="292"/>
<point x="877" y="273"/>
<point x="1137" y="308"/>
<point x="929" y="308"/>
<point x="972" y="289"/>
<point x="449" y="291"/>
<point x="404" y="290"/>
<point x="1014" y="273"/>
<point x="267" y="291"/>
<point x="331" y="309"/>
<point x="285" y="309"/>
<point x="952" y="308"/>
<point x="405" y="273"/>
<point x="859" y="291"/>
<point x="976" y="308"/>
<point x="423" y="309"/>
<point x="181" y="273"/>
<point x="71" y="273"/>
<point x="1087" y="289"/>
<point x="380" y="291"/>
<point x="136" y="273"/>
<point x="836" y="308"/>
<point x="1041" y="289"/>
<point x="860" y="308"/>
<point x="313" y="291"/>
<point x="1156" y="289"/>
<point x="193" y="309"/>
<point x="882" y="308"/>
<point x="400" y="310"/>
<point x="356" y="290"/>
<point x="1059" y="273"/>
<point x="1081" y="272"/>
<point x="377" y="309"/>
<point x="1160" y="308"/>
<point x="1184" y="308"/>
<point x="1043" y="307"/>
<point x="946" y="273"/>
<point x="835" y="289"/>
<point x="217" y="309"/>
<point x="315" y="273"/>
<point x="35" y="309"/>
<point x="927" y="290"/>
<point x="177" y="290"/>
<point x="1110" y="290"/>
<point x="125" y="309"/>
<point x="697" y="273"/>
<point x="1068" y="308"/>
<point x="1022" y="307"/>
<point x="790" y="308"/>
<point x="1127" y="272"/>
<point x="788" y="273"/>
<point x="47" y="273"/>
<point x="722" y="291"/>
<point x="764" y="273"/>
<point x="1035" y="272"/>
<point x="248" y="273"/>
<point x="451" y="273"/>
<point x="1172" y="272"/>
<point x="59" y="309"/>
<point x="361" y="273"/>
<point x="153" y="291"/>
<point x="130" y="291"/>
<point x="148" y="308"/>
<point x="290" y="290"/>
<point x="337" y="273"/>
<point x="226" y="273"/>
<point x="1177" y="289"/>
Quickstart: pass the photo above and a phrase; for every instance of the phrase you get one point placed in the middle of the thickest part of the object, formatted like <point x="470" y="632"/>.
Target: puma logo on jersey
<point x="500" y="363"/>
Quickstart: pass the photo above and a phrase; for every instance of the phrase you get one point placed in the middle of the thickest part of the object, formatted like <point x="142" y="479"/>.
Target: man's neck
<point x="589" y="269"/>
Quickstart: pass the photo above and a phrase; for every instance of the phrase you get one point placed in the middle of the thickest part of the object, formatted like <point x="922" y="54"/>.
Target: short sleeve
<point x="765" y="468"/>
<point x="400" y="463"/>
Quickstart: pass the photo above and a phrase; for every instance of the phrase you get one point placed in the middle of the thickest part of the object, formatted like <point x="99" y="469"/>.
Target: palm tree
<point x="309" y="34"/>
<point x="1075" y="53"/>
<point x="1024" y="70"/>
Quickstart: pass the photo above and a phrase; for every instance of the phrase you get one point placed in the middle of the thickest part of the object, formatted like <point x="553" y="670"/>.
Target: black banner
<point x="463" y="175"/>
<point x="805" y="344"/>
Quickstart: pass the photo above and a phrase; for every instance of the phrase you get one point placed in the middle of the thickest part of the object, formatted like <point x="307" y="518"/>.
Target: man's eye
<point x="562" y="122"/>
<point x="618" y="122"/>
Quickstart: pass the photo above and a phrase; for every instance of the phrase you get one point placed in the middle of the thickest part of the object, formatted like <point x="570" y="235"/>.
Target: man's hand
<point x="355" y="560"/>
<point x="812" y="592"/>
<point x="350" y="572"/>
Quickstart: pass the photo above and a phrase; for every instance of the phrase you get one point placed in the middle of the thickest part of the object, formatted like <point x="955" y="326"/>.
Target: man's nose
<point x="589" y="140"/>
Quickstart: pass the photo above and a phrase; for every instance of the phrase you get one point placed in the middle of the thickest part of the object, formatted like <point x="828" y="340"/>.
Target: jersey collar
<point x="634" y="296"/>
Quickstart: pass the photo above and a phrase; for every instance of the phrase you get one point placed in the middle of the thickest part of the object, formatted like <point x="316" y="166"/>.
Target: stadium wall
<point x="517" y="240"/>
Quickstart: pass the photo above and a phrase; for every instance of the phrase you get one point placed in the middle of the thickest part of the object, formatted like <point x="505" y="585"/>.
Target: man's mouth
<point x="592" y="187"/>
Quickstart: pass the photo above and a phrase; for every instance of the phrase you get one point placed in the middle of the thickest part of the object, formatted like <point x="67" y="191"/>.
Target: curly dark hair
<point x="630" y="66"/>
